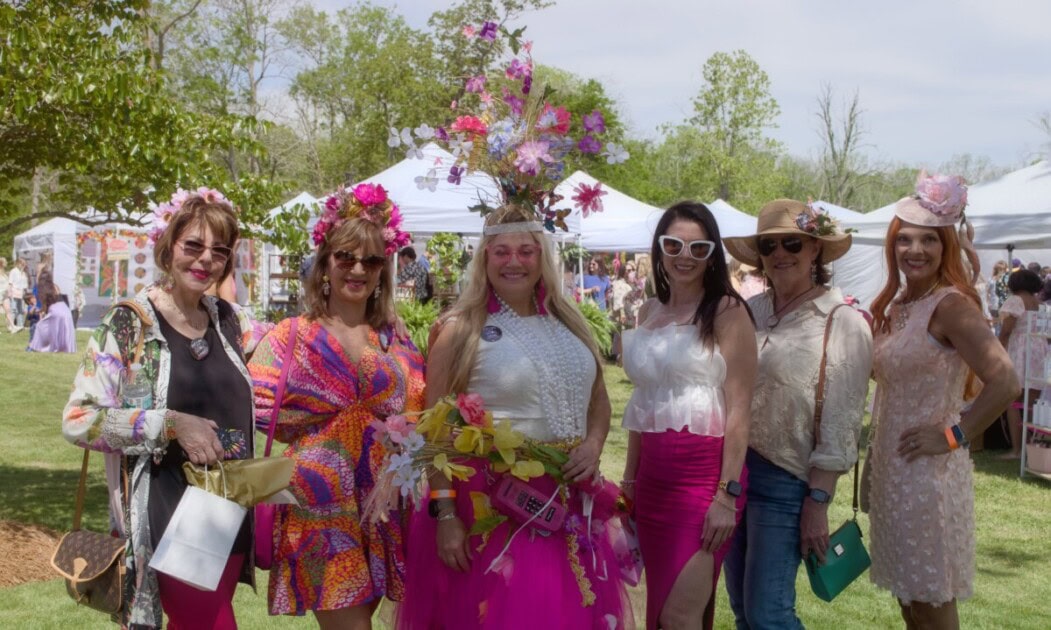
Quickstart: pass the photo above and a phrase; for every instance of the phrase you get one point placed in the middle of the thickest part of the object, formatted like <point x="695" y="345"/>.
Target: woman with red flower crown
<point x="348" y="369"/>
<point x="529" y="355"/>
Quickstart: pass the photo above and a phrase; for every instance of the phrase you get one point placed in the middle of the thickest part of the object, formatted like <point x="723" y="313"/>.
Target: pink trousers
<point x="190" y="608"/>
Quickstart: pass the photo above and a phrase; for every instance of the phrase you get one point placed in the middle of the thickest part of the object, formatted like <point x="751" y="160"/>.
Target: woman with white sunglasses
<point x="692" y="361"/>
<point x="792" y="466"/>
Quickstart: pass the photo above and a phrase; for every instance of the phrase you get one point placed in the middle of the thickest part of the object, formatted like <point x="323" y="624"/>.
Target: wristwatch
<point x="732" y="488"/>
<point x="817" y="495"/>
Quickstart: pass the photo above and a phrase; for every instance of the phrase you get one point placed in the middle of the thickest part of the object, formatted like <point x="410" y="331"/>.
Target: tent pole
<point x="580" y="268"/>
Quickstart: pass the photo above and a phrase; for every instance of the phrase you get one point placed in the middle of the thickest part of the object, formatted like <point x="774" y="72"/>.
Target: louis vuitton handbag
<point x="846" y="558"/>
<point x="92" y="564"/>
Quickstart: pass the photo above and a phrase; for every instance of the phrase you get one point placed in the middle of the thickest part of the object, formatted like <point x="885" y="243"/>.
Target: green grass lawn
<point x="38" y="475"/>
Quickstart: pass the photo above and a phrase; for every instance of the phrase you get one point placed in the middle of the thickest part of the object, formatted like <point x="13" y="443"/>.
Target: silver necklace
<point x="199" y="346"/>
<point x="557" y="362"/>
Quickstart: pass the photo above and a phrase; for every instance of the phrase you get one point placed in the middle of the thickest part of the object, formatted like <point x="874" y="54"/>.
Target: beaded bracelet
<point x="169" y="425"/>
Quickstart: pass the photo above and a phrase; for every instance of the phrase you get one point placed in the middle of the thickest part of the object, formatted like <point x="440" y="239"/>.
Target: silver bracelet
<point x="447" y="516"/>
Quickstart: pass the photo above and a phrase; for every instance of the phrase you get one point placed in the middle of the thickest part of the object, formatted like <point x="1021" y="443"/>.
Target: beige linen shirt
<point x="782" y="427"/>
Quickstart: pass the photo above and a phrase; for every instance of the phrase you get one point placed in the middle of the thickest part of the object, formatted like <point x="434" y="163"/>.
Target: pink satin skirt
<point x="676" y="482"/>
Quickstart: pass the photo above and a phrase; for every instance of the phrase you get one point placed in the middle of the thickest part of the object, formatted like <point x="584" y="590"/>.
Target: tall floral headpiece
<point x="507" y="128"/>
<point x="369" y="202"/>
<point x="939" y="201"/>
<point x="164" y="213"/>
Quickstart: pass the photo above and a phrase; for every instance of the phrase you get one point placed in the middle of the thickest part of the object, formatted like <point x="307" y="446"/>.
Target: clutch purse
<point x="845" y="561"/>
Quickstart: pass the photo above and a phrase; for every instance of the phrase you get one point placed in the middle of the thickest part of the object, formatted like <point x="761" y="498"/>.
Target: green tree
<point x="82" y="104"/>
<point x="732" y="110"/>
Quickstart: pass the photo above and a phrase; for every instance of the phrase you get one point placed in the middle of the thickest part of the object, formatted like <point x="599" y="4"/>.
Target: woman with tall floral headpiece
<point x="528" y="353"/>
<point x="932" y="345"/>
<point x="348" y="369"/>
<point x="189" y="350"/>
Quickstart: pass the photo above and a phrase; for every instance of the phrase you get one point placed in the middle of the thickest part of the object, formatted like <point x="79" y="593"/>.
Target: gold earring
<point x="326" y="288"/>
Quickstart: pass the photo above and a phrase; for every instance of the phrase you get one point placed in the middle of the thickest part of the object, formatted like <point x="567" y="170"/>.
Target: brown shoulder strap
<point x="819" y="399"/>
<point x="146" y="322"/>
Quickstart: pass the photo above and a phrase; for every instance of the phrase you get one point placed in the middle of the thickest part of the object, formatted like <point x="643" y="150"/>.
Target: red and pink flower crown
<point x="365" y="201"/>
<point x="164" y="213"/>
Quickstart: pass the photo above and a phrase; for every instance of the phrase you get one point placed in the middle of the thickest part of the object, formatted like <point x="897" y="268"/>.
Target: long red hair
<point x="951" y="273"/>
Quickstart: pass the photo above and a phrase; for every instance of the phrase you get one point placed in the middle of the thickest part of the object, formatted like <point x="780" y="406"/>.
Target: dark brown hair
<point x="220" y="218"/>
<point x="348" y="236"/>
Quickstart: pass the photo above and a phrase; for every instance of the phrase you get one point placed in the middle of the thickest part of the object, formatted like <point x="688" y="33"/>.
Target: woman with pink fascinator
<point x="931" y="348"/>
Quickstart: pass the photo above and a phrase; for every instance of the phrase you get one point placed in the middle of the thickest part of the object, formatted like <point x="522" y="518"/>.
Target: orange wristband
<point x="443" y="494"/>
<point x="953" y="444"/>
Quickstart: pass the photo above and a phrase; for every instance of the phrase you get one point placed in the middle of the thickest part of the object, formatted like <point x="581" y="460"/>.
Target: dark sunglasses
<point x="220" y="253"/>
<point x="698" y="250"/>
<point x="792" y="245"/>
<point x="349" y="260"/>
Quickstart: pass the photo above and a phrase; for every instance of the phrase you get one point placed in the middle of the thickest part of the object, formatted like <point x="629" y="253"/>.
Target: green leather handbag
<point x="846" y="558"/>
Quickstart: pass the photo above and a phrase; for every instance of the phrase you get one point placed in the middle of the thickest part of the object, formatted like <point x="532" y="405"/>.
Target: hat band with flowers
<point x="939" y="201"/>
<point x="364" y="201"/>
<point x="787" y="216"/>
<point x="518" y="137"/>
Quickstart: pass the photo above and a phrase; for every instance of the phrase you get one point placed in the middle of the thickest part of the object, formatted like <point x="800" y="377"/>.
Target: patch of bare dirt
<point x="25" y="553"/>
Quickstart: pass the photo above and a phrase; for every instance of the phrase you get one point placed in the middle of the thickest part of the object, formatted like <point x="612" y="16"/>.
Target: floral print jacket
<point x="94" y="418"/>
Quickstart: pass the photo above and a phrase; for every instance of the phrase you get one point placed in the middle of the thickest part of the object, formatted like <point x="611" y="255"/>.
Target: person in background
<point x="55" y="331"/>
<point x="619" y="291"/>
<point x="793" y="462"/>
<point x="412" y="272"/>
<point x="19" y="285"/>
<point x="933" y="350"/>
<point x="692" y="362"/>
<point x="1036" y="269"/>
<point x="32" y="316"/>
<point x="349" y="370"/>
<point x="994" y="297"/>
<point x="5" y="296"/>
<point x="200" y="398"/>
<point x="596" y="282"/>
<point x="1024" y="285"/>
<point x="78" y="302"/>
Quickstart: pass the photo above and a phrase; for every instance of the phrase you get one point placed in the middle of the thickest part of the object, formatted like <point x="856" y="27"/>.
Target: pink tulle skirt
<point x="532" y="586"/>
<point x="677" y="479"/>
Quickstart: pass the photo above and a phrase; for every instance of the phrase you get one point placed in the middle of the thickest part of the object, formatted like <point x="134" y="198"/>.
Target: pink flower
<point x="589" y="198"/>
<point x="517" y="70"/>
<point x="486" y="97"/>
<point x="553" y="119"/>
<point x="395" y="217"/>
<point x="944" y="195"/>
<point x="468" y="30"/>
<point x="370" y="194"/>
<point x="469" y="124"/>
<point x="475" y="84"/>
<point x="472" y="409"/>
<point x="530" y="154"/>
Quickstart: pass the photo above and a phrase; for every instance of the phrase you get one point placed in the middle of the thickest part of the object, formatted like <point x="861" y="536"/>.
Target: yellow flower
<point x="506" y="440"/>
<point x="526" y="469"/>
<point x="483" y="508"/>
<point x="432" y="423"/>
<point x="449" y="469"/>
<point x="470" y="440"/>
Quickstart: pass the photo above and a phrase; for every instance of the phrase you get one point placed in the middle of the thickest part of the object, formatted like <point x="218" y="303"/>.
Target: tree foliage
<point x="81" y="100"/>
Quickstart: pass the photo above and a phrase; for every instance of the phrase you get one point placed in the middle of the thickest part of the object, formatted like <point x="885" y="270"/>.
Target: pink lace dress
<point x="922" y="513"/>
<point x="1015" y="307"/>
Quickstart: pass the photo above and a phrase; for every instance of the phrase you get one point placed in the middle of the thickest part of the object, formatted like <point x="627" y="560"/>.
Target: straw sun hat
<point x="786" y="217"/>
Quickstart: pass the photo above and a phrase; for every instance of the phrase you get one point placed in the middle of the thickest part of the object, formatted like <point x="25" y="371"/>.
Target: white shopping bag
<point x="197" y="543"/>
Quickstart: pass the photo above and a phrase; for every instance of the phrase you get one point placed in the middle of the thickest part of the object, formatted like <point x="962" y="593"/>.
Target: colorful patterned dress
<point x="326" y="558"/>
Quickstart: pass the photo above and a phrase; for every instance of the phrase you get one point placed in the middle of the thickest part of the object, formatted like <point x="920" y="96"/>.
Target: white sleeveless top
<point x="537" y="373"/>
<point x="678" y="382"/>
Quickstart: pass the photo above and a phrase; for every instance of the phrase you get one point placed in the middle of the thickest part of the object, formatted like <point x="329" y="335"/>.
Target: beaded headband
<point x="511" y="228"/>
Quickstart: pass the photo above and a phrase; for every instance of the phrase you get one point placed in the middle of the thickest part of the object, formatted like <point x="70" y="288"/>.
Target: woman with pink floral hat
<point x="932" y="346"/>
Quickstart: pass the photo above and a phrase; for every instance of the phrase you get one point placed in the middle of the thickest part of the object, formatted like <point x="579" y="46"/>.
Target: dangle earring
<point x="167" y="284"/>
<point x="326" y="288"/>
<point x="541" y="295"/>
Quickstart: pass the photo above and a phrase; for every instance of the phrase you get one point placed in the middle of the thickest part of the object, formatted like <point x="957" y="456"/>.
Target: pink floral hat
<point x="939" y="201"/>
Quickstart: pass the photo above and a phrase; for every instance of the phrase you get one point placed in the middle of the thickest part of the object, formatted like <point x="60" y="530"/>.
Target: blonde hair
<point x="468" y="315"/>
<point x="349" y="235"/>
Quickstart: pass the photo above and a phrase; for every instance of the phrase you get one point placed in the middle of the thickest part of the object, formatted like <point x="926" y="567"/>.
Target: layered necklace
<point x="199" y="347"/>
<point x="903" y="307"/>
<point x="557" y="360"/>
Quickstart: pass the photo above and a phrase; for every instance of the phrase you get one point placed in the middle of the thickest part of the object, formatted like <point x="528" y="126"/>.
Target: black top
<point x="211" y="388"/>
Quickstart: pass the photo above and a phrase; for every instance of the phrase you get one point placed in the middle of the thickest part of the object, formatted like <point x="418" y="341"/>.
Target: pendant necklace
<point x="774" y="320"/>
<point x="903" y="307"/>
<point x="199" y="347"/>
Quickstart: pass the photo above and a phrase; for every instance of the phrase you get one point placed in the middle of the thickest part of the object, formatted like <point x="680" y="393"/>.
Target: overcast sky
<point x="936" y="78"/>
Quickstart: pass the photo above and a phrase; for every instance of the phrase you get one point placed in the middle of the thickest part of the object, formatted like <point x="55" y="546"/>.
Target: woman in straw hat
<point x="932" y="345"/>
<point x="793" y="466"/>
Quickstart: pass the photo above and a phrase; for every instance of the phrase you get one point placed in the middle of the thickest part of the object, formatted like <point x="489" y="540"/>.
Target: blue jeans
<point x="764" y="557"/>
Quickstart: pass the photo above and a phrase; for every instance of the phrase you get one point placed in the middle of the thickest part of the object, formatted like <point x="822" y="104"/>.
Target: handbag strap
<point x="282" y="382"/>
<point x="819" y="399"/>
<point x="82" y="486"/>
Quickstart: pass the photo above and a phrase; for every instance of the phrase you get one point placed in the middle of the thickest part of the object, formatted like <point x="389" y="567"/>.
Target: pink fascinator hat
<point x="939" y="201"/>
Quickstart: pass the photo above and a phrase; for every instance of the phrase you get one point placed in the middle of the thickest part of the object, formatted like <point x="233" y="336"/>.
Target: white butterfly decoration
<point x="460" y="147"/>
<point x="429" y="181"/>
<point x="393" y="141"/>
<point x="614" y="153"/>
<point x="413" y="152"/>
<point x="424" y="132"/>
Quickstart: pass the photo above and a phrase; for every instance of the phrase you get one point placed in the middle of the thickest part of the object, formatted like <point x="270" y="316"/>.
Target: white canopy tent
<point x="1014" y="210"/>
<point x="58" y="236"/>
<point x="270" y="288"/>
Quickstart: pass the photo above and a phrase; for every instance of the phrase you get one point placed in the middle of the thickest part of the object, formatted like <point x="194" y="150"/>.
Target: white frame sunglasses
<point x="685" y="247"/>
